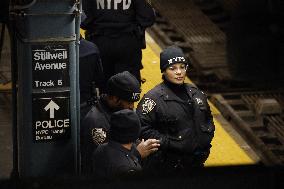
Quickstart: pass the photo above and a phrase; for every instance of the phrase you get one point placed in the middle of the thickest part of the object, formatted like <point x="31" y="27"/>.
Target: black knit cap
<point x="170" y="56"/>
<point x="124" y="126"/>
<point x="125" y="86"/>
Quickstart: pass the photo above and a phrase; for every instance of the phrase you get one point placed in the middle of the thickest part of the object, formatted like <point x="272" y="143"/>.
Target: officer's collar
<point x="106" y="106"/>
<point x="119" y="146"/>
<point x="174" y="87"/>
<point x="103" y="107"/>
<point x="168" y="94"/>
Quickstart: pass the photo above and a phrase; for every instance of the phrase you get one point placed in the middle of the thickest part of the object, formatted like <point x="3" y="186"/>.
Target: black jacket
<point x="90" y="70"/>
<point x="94" y="130"/>
<point x="185" y="128"/>
<point x="112" y="160"/>
<point x="124" y="16"/>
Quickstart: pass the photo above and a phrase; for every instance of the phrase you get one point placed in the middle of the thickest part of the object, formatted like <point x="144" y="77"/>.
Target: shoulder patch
<point x="148" y="105"/>
<point x="98" y="135"/>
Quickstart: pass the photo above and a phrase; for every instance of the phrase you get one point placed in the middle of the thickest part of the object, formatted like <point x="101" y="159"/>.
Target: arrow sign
<point x="51" y="106"/>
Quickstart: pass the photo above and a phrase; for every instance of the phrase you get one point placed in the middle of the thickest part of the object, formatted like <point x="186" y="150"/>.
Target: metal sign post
<point x="47" y="35"/>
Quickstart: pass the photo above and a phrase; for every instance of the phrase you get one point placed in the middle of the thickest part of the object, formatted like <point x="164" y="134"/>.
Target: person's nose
<point x="178" y="71"/>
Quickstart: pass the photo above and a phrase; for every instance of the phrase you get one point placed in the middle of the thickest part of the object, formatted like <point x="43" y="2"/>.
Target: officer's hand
<point x="147" y="147"/>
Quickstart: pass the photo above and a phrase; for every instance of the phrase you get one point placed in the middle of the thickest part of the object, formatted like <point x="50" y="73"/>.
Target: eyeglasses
<point x="176" y="68"/>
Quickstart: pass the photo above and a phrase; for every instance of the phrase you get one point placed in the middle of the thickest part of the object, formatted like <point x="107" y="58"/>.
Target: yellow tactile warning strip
<point x="82" y="33"/>
<point x="225" y="150"/>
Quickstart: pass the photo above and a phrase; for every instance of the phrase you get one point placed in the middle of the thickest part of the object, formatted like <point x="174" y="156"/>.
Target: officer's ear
<point x="115" y="99"/>
<point x="111" y="98"/>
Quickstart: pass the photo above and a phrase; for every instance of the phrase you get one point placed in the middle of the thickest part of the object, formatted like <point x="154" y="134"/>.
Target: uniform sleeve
<point x="210" y="121"/>
<point x="147" y="112"/>
<point x="208" y="115"/>
<point x="93" y="129"/>
<point x="86" y="130"/>
<point x="204" y="119"/>
<point x="100" y="163"/>
<point x="136" y="153"/>
<point x="145" y="14"/>
<point x="86" y="146"/>
<point x="99" y="77"/>
<point x="92" y="135"/>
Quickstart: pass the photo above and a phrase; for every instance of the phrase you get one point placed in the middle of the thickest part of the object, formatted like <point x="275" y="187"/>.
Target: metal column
<point x="46" y="36"/>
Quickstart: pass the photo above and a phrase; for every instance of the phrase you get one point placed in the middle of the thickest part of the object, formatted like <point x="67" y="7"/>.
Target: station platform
<point x="228" y="147"/>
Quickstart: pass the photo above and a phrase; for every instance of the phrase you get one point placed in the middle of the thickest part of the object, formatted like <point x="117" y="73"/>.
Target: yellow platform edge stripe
<point x="225" y="150"/>
<point x="6" y="86"/>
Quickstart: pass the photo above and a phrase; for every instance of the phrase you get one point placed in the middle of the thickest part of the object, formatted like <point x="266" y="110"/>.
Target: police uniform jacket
<point x="94" y="132"/>
<point x="94" y="128"/>
<point x="185" y="128"/>
<point x="104" y="16"/>
<point x="91" y="71"/>
<point x="113" y="160"/>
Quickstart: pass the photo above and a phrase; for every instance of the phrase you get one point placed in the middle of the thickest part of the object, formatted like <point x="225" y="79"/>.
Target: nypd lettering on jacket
<point x="113" y="4"/>
<point x="176" y="59"/>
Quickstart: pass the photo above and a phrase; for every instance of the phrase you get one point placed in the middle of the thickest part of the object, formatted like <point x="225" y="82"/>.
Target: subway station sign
<point x="50" y="65"/>
<point x="51" y="117"/>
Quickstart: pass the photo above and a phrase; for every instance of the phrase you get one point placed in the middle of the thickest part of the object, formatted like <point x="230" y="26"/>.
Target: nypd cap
<point x="171" y="55"/>
<point x="124" y="126"/>
<point x="125" y="86"/>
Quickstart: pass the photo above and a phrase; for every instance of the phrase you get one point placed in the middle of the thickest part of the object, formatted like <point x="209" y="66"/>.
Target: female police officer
<point x="178" y="115"/>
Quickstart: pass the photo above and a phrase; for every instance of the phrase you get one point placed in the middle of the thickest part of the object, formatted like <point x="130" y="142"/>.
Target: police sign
<point x="51" y="116"/>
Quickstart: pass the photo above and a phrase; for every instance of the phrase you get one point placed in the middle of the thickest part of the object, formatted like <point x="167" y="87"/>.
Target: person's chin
<point x="178" y="81"/>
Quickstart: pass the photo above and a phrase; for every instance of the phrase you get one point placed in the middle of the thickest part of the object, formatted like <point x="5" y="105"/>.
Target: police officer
<point x="117" y="157"/>
<point x="178" y="115"/>
<point x="91" y="76"/>
<point x="122" y="90"/>
<point x="117" y="27"/>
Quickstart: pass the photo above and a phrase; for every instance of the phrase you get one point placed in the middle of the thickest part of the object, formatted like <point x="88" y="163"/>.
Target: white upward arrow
<point x="51" y="106"/>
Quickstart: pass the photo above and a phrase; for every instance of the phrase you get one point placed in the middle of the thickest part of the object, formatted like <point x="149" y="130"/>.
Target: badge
<point x="148" y="105"/>
<point x="99" y="135"/>
<point x="199" y="101"/>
